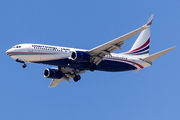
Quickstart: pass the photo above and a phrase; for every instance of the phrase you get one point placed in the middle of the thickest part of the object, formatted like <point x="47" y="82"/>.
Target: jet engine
<point x="80" y="56"/>
<point x="53" y="73"/>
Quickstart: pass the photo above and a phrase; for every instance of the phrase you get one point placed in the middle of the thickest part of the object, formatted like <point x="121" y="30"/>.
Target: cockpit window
<point x="17" y="47"/>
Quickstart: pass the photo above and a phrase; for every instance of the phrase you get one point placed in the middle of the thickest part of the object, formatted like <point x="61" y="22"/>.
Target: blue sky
<point x="152" y="93"/>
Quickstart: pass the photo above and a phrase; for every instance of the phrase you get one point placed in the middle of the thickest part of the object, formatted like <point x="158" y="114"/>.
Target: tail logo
<point x="144" y="49"/>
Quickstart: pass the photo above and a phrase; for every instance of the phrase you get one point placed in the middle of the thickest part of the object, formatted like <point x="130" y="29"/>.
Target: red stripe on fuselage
<point x="125" y="61"/>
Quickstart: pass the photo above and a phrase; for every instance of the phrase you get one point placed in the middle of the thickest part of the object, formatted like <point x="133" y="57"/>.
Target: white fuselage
<point x="38" y="53"/>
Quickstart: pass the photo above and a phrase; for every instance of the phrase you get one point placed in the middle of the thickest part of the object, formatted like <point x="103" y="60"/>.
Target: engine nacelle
<point x="80" y="56"/>
<point x="53" y="73"/>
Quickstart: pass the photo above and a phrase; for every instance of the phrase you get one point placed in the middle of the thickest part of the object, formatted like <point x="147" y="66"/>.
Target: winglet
<point x="150" y="20"/>
<point x="157" y="55"/>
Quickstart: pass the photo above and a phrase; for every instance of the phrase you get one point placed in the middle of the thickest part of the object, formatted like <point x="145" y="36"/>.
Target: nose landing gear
<point x="21" y="61"/>
<point x="24" y="65"/>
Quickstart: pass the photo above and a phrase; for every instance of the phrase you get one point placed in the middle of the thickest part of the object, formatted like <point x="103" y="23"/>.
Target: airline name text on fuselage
<point x="50" y="47"/>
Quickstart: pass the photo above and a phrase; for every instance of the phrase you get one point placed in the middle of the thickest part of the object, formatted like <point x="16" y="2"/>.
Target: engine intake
<point x="53" y="73"/>
<point x="80" y="56"/>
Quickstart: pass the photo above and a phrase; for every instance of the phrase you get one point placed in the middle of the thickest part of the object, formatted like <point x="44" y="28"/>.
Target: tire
<point x="24" y="65"/>
<point x="93" y="67"/>
<point x="77" y="78"/>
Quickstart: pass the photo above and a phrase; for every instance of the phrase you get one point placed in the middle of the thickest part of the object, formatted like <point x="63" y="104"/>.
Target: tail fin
<point x="157" y="55"/>
<point x="141" y="46"/>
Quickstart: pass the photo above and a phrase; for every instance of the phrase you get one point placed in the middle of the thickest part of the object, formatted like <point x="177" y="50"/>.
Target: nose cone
<point x="8" y="52"/>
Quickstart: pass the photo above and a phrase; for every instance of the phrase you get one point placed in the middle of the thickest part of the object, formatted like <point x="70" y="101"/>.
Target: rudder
<point x="141" y="45"/>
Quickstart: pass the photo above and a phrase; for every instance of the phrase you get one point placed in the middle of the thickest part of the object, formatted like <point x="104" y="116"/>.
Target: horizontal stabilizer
<point x="157" y="55"/>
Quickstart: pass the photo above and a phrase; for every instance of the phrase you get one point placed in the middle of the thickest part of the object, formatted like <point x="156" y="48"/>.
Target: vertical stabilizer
<point x="141" y="46"/>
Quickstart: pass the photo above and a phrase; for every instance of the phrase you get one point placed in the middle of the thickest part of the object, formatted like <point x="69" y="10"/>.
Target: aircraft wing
<point x="55" y="82"/>
<point x="109" y="47"/>
<point x="68" y="74"/>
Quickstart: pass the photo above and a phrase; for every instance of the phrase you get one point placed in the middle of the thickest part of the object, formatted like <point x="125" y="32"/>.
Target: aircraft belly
<point x="114" y="66"/>
<point x="65" y="63"/>
<point x="105" y="65"/>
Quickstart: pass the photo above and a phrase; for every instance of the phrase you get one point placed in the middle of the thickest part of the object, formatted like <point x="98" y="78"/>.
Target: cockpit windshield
<point x="16" y="47"/>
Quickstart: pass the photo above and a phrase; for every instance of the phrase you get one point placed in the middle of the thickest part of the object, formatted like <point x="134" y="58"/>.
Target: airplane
<point x="72" y="62"/>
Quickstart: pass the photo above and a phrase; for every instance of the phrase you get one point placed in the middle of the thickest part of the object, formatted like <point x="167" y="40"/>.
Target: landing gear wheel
<point x="24" y="65"/>
<point x="77" y="78"/>
<point x="93" y="67"/>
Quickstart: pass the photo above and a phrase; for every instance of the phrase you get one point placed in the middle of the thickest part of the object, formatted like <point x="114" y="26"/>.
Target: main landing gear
<point x="92" y="67"/>
<point x="77" y="78"/>
<point x="21" y="61"/>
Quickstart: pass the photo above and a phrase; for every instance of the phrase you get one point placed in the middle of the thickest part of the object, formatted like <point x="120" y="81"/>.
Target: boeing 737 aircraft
<point x="72" y="62"/>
